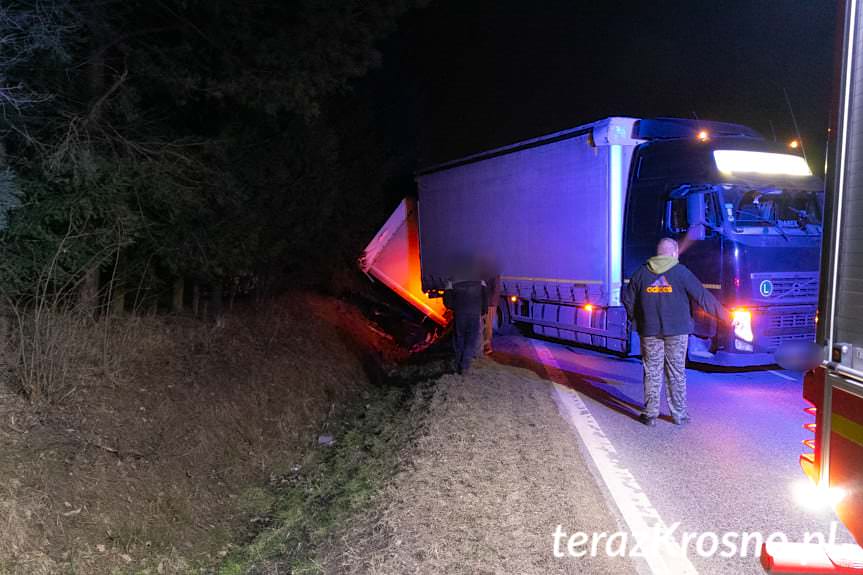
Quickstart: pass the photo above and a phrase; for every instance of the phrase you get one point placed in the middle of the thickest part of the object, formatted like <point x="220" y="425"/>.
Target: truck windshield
<point x="786" y="209"/>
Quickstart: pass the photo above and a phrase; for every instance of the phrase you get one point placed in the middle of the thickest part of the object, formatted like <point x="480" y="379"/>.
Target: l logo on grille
<point x="766" y="288"/>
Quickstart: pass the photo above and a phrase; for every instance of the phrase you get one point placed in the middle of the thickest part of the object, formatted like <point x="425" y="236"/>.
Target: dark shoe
<point x="681" y="421"/>
<point x="648" y="421"/>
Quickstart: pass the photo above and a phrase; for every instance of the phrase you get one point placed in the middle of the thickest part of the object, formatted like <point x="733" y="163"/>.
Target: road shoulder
<point x="494" y="472"/>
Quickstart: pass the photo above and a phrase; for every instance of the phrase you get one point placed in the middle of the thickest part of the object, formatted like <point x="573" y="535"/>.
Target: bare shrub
<point x="55" y="339"/>
<point x="47" y="345"/>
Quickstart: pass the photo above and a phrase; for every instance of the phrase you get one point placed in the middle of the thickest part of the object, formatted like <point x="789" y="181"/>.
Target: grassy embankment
<point x="339" y="483"/>
<point x="167" y="446"/>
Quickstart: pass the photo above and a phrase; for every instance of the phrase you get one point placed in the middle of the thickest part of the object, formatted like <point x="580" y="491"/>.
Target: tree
<point x="163" y="138"/>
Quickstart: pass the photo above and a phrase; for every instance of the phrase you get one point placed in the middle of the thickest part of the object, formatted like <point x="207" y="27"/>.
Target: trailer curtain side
<point x="547" y="217"/>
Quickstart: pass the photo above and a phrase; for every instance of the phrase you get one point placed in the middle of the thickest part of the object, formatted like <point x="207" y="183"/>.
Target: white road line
<point x="662" y="554"/>
<point x="783" y="376"/>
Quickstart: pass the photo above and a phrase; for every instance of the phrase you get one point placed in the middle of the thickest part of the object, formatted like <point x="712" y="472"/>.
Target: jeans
<point x="466" y="339"/>
<point x="665" y="356"/>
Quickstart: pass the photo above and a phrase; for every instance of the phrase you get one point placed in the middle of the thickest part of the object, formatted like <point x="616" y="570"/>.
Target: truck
<point x="566" y="218"/>
<point x="833" y="384"/>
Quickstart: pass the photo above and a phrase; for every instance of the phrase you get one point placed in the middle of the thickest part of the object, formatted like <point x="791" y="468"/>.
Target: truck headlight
<point x="741" y="321"/>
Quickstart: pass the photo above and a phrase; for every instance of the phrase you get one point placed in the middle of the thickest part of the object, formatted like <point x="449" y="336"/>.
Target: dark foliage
<point x="210" y="140"/>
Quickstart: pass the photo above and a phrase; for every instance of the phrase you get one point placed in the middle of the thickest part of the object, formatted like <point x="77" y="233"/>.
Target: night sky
<point x="471" y="75"/>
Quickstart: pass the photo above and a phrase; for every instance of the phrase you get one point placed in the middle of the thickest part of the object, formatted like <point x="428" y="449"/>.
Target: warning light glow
<point x="703" y="135"/>
<point x="813" y="497"/>
<point x="513" y="299"/>
<point x="588" y="307"/>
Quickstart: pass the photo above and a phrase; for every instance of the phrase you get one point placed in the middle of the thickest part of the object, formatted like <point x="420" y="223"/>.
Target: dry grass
<point x="46" y="349"/>
<point x="494" y="471"/>
<point x="145" y="459"/>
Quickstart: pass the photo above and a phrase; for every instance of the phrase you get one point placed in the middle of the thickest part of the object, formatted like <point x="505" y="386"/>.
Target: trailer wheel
<point x="503" y="322"/>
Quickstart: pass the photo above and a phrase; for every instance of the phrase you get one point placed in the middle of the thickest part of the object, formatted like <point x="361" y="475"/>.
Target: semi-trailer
<point x="566" y="218"/>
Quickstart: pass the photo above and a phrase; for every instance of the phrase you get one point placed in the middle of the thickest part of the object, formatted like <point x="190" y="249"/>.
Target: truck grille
<point x="785" y="287"/>
<point x="772" y="343"/>
<point x="781" y="324"/>
<point x="792" y="320"/>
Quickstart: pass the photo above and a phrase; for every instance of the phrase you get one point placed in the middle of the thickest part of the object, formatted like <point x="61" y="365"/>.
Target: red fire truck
<point x="834" y="388"/>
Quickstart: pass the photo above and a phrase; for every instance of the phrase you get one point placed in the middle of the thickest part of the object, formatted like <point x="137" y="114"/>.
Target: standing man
<point x="468" y="300"/>
<point x="494" y="287"/>
<point x="658" y="300"/>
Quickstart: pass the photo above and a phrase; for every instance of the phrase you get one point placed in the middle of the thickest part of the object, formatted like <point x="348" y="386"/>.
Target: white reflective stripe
<point x="663" y="555"/>
<point x="783" y="376"/>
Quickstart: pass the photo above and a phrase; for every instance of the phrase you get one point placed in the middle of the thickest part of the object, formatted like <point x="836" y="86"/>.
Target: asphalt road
<point x="731" y="473"/>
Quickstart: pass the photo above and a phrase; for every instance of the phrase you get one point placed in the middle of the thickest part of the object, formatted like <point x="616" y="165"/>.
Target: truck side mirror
<point x="695" y="216"/>
<point x="696" y="232"/>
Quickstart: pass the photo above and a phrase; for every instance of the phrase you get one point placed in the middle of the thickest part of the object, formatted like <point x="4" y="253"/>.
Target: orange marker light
<point x="588" y="307"/>
<point x="794" y="144"/>
<point x="703" y="135"/>
<point x="513" y="299"/>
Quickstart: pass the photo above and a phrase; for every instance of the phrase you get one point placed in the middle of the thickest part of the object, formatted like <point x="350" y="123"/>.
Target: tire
<point x="502" y="323"/>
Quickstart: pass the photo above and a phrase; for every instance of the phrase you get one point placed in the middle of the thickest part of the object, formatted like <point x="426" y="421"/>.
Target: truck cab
<point x="748" y="217"/>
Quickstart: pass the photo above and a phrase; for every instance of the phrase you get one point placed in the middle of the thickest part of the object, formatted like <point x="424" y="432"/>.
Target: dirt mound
<point x="153" y="464"/>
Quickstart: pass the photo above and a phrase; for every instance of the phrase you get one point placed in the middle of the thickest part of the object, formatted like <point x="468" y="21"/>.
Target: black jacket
<point x="468" y="298"/>
<point x="659" y="304"/>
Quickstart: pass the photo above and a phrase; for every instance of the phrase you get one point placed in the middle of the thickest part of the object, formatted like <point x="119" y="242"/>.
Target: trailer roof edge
<point x="605" y="123"/>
